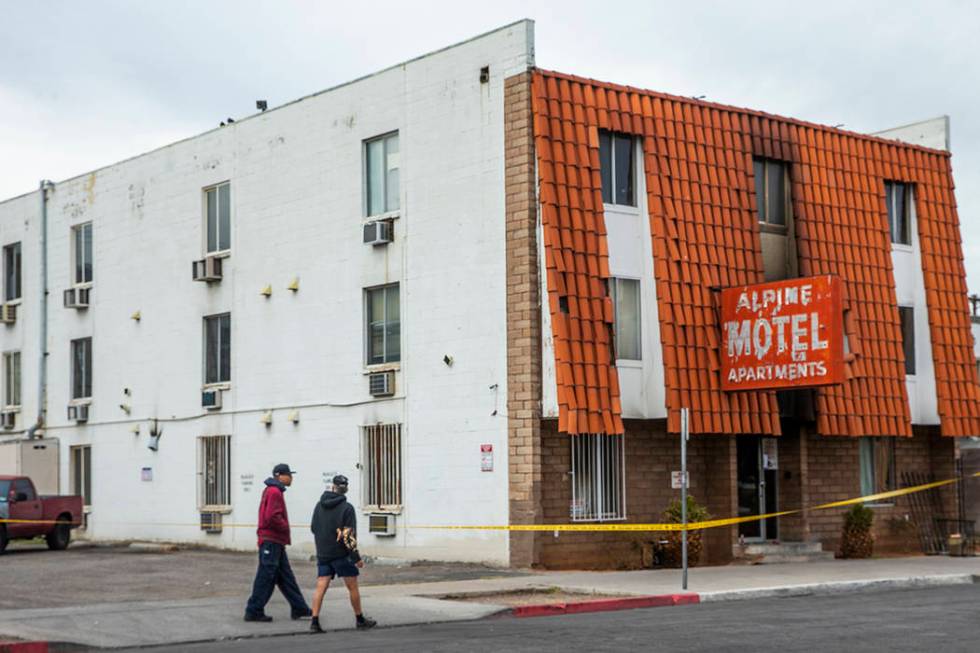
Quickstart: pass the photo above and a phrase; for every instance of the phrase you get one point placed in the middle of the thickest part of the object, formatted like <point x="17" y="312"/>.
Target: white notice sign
<point x="486" y="457"/>
<point x="677" y="480"/>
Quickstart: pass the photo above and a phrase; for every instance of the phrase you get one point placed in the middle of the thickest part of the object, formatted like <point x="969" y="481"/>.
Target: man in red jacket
<point x="274" y="569"/>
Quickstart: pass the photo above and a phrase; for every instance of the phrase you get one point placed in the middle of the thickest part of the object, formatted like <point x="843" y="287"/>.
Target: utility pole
<point x="684" y="434"/>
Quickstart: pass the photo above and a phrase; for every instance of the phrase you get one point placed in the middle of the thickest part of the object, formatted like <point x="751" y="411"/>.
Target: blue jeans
<point x="273" y="571"/>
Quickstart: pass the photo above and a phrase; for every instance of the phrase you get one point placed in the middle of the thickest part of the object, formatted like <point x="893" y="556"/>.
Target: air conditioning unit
<point x="77" y="297"/>
<point x="381" y="384"/>
<point x="8" y="313"/>
<point x="211" y="522"/>
<point x="382" y="524"/>
<point x="8" y="419"/>
<point x="211" y="399"/>
<point x="377" y="233"/>
<point x="207" y="269"/>
<point x="78" y="412"/>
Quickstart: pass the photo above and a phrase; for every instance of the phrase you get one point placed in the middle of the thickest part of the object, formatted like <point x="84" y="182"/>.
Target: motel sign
<point x="785" y="334"/>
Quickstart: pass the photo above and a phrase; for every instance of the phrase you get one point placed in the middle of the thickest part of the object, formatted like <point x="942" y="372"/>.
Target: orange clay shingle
<point x="705" y="236"/>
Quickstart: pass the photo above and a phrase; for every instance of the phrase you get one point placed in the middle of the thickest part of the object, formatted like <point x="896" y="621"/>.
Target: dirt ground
<point x="34" y="577"/>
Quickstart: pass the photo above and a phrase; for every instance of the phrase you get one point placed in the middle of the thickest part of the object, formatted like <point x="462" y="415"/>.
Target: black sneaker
<point x="315" y="626"/>
<point x="366" y="623"/>
<point x="258" y="617"/>
<point x="301" y="615"/>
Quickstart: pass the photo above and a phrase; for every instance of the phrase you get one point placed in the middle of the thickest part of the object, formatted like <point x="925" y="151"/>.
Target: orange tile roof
<point x="700" y="195"/>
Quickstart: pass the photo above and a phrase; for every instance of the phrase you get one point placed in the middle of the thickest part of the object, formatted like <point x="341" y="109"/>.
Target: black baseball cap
<point x="282" y="468"/>
<point x="340" y="479"/>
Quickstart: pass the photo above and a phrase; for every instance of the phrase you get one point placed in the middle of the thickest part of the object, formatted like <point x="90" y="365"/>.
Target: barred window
<point x="214" y="470"/>
<point x="383" y="466"/>
<point x="598" y="477"/>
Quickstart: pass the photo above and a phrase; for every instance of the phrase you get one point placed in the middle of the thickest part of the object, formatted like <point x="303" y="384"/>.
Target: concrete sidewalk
<point x="169" y="622"/>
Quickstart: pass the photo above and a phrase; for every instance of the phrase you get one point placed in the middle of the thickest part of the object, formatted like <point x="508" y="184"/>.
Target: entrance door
<point x="757" y="479"/>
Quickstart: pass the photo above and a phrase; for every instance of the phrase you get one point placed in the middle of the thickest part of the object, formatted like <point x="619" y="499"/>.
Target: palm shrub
<point x="857" y="541"/>
<point x="672" y="549"/>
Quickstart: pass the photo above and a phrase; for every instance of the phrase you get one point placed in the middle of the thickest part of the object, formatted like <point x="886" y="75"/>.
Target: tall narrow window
<point x="11" y="377"/>
<point x="898" y="199"/>
<point x="217" y="349"/>
<point x="381" y="174"/>
<point x="771" y="193"/>
<point x="11" y="272"/>
<point x="217" y="202"/>
<point x="877" y="463"/>
<point x="82" y="252"/>
<point x="383" y="325"/>
<point x="598" y="477"/>
<point x="617" y="169"/>
<point x="906" y="315"/>
<point x="81" y="473"/>
<point x="214" y="470"/>
<point x="625" y="294"/>
<point x="383" y="466"/>
<point x="81" y="368"/>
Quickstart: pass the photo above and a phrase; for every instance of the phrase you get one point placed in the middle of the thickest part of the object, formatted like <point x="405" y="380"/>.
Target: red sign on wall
<point x="784" y="334"/>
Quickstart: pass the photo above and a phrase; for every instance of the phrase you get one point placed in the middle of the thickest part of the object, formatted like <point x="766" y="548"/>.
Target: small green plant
<point x="859" y="518"/>
<point x="857" y="540"/>
<point x="672" y="547"/>
<point x="695" y="511"/>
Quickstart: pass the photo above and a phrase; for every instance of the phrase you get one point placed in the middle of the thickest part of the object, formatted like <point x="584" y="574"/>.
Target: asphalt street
<point x="942" y="619"/>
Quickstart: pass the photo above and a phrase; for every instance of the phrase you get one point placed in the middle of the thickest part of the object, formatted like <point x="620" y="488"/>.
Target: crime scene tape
<point x="691" y="526"/>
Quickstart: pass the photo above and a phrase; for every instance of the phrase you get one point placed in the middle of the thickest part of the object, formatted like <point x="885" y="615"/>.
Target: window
<point x="81" y="368"/>
<point x="24" y="486"/>
<point x="214" y="470"/>
<point x="11" y="379"/>
<point x="898" y="199"/>
<point x="381" y="174"/>
<point x="81" y="473"/>
<point x="877" y="461"/>
<point x="616" y="168"/>
<point x="217" y="349"/>
<point x="906" y="316"/>
<point x="598" y="477"/>
<point x="82" y="248"/>
<point x="771" y="188"/>
<point x="217" y="202"/>
<point x="383" y="325"/>
<point x="383" y="465"/>
<point x="11" y="272"/>
<point x="625" y="294"/>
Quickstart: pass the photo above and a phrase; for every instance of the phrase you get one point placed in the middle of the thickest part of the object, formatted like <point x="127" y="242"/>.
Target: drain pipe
<point x="42" y="377"/>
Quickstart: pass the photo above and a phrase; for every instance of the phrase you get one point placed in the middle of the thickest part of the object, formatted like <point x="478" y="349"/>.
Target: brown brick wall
<point x="523" y="320"/>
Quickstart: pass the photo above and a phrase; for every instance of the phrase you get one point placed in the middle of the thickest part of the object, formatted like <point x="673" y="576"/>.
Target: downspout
<point x="42" y="356"/>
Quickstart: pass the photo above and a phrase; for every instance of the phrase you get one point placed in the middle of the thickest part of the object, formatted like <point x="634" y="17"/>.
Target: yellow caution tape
<point x="691" y="526"/>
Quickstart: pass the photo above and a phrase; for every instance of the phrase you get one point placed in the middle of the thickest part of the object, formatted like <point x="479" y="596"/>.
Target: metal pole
<point x="684" y="498"/>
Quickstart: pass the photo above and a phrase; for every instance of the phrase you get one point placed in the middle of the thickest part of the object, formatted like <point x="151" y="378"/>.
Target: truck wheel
<point x="60" y="535"/>
<point x="3" y="538"/>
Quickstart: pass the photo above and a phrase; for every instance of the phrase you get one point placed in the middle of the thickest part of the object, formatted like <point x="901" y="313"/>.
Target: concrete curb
<point x="602" y="605"/>
<point x="839" y="587"/>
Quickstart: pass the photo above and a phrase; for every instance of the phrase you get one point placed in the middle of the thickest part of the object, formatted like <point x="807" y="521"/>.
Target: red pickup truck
<point x="25" y="514"/>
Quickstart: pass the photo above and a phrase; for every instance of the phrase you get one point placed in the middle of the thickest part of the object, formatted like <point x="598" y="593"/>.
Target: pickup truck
<point x="25" y="514"/>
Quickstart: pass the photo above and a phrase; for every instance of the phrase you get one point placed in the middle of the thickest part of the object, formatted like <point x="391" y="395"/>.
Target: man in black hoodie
<point x="334" y="527"/>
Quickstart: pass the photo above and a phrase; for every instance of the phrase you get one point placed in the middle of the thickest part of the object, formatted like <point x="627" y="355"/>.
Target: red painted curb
<point x="23" y="647"/>
<point x="605" y="605"/>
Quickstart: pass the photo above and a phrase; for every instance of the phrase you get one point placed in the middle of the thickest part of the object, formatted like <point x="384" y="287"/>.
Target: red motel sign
<point x="784" y="334"/>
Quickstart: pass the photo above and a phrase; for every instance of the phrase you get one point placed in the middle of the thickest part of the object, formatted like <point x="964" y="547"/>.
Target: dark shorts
<point x="342" y="567"/>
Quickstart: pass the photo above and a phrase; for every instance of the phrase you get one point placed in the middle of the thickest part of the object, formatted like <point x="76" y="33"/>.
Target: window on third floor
<point x="81" y="236"/>
<point x="381" y="174"/>
<point x="217" y="218"/>
<point x="617" y="169"/>
<point x="898" y="199"/>
<point x="771" y="191"/>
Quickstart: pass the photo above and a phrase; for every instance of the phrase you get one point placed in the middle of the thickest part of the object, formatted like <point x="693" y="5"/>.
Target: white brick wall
<point x="296" y="189"/>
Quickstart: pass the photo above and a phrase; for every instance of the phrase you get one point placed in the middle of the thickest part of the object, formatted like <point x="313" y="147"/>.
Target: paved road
<point x="942" y="619"/>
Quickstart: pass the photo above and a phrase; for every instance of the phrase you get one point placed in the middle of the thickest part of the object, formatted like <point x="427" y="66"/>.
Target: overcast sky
<point x="84" y="84"/>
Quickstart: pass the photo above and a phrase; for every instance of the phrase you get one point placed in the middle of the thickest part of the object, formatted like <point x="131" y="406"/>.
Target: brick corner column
<point x="523" y="321"/>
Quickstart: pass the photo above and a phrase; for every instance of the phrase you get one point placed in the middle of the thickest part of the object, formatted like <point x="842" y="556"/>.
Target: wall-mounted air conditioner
<point x="381" y="524"/>
<point x="8" y="313"/>
<point x="207" y="269"/>
<point x="8" y="419"/>
<point x="211" y="522"/>
<point x="378" y="233"/>
<point x="77" y="297"/>
<point x="381" y="384"/>
<point x="78" y="412"/>
<point x="211" y="399"/>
